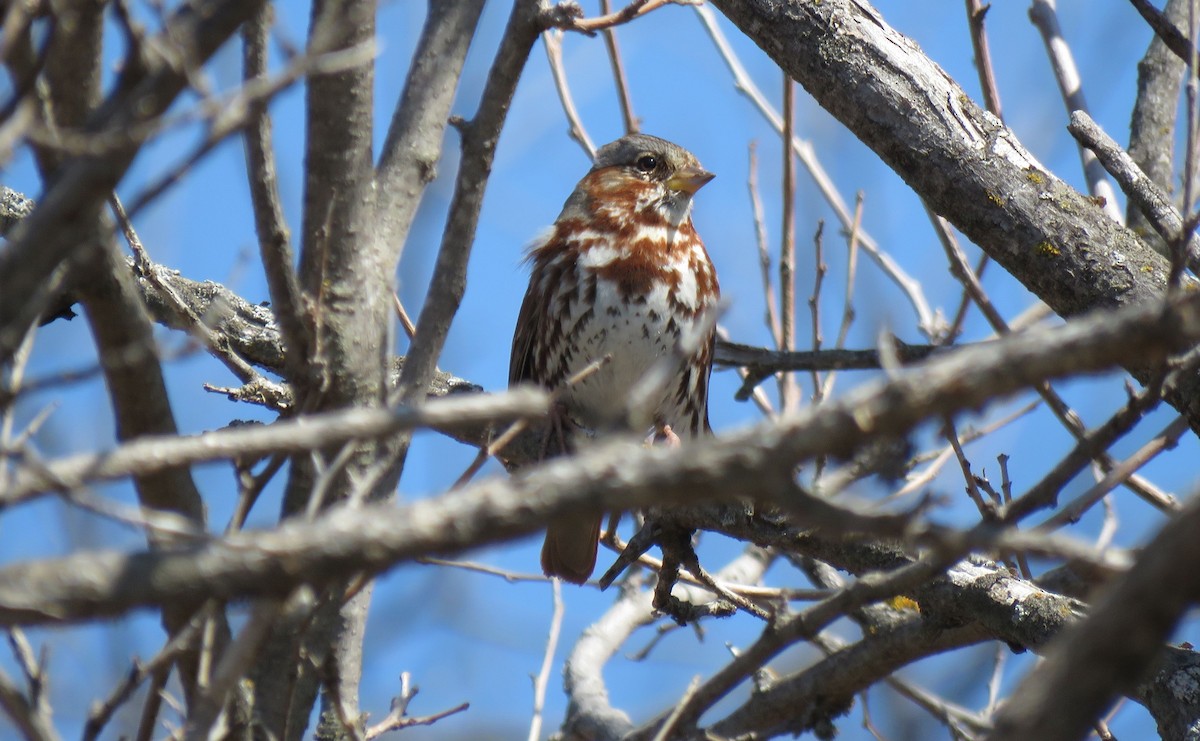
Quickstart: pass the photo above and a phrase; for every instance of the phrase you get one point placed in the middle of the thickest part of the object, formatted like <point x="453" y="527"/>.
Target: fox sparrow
<point x="621" y="276"/>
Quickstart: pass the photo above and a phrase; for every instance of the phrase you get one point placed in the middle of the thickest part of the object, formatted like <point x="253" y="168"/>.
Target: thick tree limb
<point x="961" y="160"/>
<point x="944" y="385"/>
<point x="812" y="699"/>
<point x="348" y="291"/>
<point x="978" y="596"/>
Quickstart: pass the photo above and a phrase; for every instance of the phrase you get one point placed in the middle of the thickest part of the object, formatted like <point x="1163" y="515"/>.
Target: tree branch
<point x="408" y="162"/>
<point x="479" y="138"/>
<point x="960" y="159"/>
<point x="1114" y="646"/>
<point x="51" y="234"/>
<point x="618" y="475"/>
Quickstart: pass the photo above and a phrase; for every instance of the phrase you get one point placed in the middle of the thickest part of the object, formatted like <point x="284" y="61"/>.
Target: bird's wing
<point x="529" y="320"/>
<point x="520" y="363"/>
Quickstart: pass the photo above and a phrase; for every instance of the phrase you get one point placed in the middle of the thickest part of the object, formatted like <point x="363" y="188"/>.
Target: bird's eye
<point x="647" y="163"/>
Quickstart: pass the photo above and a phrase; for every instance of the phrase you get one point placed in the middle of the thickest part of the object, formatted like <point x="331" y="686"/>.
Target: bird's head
<point x="651" y="175"/>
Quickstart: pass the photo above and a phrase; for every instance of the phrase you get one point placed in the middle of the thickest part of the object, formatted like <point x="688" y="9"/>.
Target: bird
<point x="621" y="277"/>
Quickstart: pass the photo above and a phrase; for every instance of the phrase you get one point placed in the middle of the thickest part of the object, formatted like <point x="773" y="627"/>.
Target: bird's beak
<point x="689" y="180"/>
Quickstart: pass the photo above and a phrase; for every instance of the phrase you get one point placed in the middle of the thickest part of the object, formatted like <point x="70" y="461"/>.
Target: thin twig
<point x="760" y="398"/>
<point x="986" y="509"/>
<point x="251" y="488"/>
<point x="1093" y="442"/>
<point x="618" y="70"/>
<point x="274" y="236"/>
<point x="789" y="392"/>
<point x="100" y="713"/>
<point x="848" y="313"/>
<point x="211" y="340"/>
<point x="754" y="591"/>
<point x="542" y="680"/>
<point x="33" y="667"/>
<point x="508" y="576"/>
<point x="155" y="696"/>
<point x="1154" y="204"/>
<point x="479" y="139"/>
<point x="1108" y="529"/>
<point x="406" y="321"/>
<point x="764" y="253"/>
<point x="10" y="387"/>
<point x="497" y="445"/>
<point x="1073" y="510"/>
<point x="669" y="725"/>
<point x="1165" y="30"/>
<point x="398" y="718"/>
<point x="729" y="595"/>
<point x="23" y="714"/>
<point x="962" y="271"/>
<point x="1045" y="16"/>
<point x="635" y="9"/>
<point x="964" y="304"/>
<point x="1179" y="246"/>
<point x="951" y="714"/>
<point x="814" y="305"/>
<point x="940" y="458"/>
<point x="552" y="43"/>
<point x="928" y="323"/>
<point x="225" y="115"/>
<point x="976" y="13"/>
<point x="852" y="240"/>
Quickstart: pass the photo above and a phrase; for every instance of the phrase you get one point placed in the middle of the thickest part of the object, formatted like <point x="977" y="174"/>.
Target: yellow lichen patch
<point x="1033" y="176"/>
<point x="900" y="602"/>
<point x="994" y="198"/>
<point x="1048" y="250"/>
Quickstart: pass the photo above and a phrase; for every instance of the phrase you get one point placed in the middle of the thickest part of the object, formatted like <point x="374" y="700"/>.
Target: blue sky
<point x="471" y="637"/>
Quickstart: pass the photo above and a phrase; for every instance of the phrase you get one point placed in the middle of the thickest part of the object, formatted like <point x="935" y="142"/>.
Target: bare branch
<point x="274" y="236"/>
<point x="408" y="161"/>
<point x="44" y="241"/>
<point x="479" y="146"/>
<point x="754" y="462"/>
<point x="1045" y="16"/>
<point x="568" y="15"/>
<point x="1153" y="203"/>
<point x="542" y="678"/>
<point x="1165" y="29"/>
<point x="962" y="160"/>
<point x="1105" y="653"/>
<point x="807" y="155"/>
<point x="552" y="42"/>
<point x="976" y="13"/>
<point x="149" y="455"/>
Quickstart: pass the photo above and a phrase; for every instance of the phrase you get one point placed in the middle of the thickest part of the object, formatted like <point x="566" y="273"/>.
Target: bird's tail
<point x="569" y="551"/>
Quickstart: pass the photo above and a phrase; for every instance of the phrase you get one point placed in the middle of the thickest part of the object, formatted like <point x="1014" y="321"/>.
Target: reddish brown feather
<point x="615" y="277"/>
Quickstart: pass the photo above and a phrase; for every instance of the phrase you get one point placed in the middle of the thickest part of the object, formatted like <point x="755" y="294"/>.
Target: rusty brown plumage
<point x="622" y="274"/>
